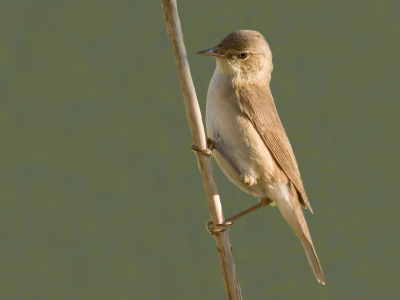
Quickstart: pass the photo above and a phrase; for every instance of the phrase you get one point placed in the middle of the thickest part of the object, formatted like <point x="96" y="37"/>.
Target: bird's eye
<point x="243" y="55"/>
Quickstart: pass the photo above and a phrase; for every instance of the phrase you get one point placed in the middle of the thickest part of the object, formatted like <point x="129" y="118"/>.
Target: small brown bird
<point x="244" y="128"/>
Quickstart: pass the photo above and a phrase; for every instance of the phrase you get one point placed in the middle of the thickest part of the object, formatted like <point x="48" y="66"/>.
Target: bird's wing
<point x="258" y="104"/>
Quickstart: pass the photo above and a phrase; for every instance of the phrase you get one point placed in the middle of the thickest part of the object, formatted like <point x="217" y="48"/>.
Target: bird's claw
<point x="213" y="231"/>
<point x="207" y="152"/>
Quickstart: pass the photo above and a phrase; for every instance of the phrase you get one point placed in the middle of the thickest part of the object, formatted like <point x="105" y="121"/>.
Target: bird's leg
<point x="262" y="203"/>
<point x="228" y="222"/>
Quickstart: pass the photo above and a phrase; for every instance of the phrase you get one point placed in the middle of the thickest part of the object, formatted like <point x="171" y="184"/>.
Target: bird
<point x="246" y="136"/>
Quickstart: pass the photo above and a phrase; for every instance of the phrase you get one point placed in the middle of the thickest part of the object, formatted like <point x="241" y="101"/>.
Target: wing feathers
<point x="258" y="105"/>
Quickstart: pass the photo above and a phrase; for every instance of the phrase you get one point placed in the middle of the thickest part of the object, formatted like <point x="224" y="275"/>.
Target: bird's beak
<point x="210" y="52"/>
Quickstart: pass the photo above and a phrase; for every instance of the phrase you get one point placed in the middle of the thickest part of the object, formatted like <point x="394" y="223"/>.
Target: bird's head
<point x="243" y="54"/>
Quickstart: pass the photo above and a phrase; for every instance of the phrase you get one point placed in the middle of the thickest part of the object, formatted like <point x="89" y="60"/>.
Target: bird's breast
<point x="233" y="131"/>
<point x="223" y="116"/>
<point x="226" y="123"/>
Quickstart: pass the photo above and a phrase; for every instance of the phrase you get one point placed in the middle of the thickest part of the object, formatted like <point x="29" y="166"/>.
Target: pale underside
<point x="244" y="122"/>
<point x="254" y="151"/>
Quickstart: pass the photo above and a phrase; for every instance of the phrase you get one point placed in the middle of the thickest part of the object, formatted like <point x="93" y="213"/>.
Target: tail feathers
<point x="313" y="260"/>
<point x="291" y="211"/>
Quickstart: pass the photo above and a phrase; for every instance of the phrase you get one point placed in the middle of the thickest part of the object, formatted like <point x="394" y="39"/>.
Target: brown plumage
<point x="260" y="108"/>
<point x="254" y="151"/>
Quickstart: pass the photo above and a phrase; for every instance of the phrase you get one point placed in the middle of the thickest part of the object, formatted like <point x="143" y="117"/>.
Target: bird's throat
<point x="224" y="68"/>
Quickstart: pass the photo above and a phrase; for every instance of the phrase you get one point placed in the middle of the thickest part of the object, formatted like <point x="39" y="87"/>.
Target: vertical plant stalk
<point x="196" y="126"/>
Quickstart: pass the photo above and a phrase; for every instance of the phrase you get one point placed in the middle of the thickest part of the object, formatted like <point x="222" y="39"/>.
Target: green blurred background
<point x="100" y="194"/>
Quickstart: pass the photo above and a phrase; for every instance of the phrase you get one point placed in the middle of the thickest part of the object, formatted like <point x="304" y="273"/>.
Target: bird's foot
<point x="207" y="152"/>
<point x="221" y="227"/>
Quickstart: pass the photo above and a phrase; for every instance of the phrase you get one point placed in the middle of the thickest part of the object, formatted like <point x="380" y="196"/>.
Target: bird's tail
<point x="313" y="260"/>
<point x="292" y="212"/>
